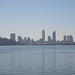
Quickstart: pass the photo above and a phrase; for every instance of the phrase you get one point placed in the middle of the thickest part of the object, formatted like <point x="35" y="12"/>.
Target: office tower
<point x="28" y="40"/>
<point x="49" y="38"/>
<point x="70" y="39"/>
<point x="64" y="39"/>
<point x="24" y="40"/>
<point x="43" y="36"/>
<point x="20" y="39"/>
<point x="54" y="36"/>
<point x="12" y="36"/>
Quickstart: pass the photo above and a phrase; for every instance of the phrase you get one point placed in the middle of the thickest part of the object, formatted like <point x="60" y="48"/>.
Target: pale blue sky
<point x="30" y="17"/>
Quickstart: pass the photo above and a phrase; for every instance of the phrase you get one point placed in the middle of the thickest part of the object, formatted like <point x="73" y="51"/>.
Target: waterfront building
<point x="12" y="36"/>
<point x="54" y="37"/>
<point x="20" y="40"/>
<point x="24" y="40"/>
<point x="43" y="36"/>
<point x="49" y="40"/>
<point x="28" y="40"/>
<point x="64" y="39"/>
<point x="69" y="39"/>
<point x="32" y="41"/>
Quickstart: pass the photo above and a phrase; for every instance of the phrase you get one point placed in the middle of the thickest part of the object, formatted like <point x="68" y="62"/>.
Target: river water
<point x="37" y="60"/>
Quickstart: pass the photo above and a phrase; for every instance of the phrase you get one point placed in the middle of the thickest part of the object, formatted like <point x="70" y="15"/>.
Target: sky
<point x="27" y="18"/>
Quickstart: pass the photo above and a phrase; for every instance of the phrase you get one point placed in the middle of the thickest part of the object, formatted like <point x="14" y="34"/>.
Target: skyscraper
<point x="54" y="36"/>
<point x="28" y="40"/>
<point x="49" y="38"/>
<point x="43" y="36"/>
<point x="70" y="39"/>
<point x="24" y="40"/>
<point x="20" y="39"/>
<point x="12" y="36"/>
<point x="64" y="39"/>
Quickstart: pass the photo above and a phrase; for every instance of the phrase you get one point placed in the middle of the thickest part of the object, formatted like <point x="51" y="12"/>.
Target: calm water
<point x="37" y="60"/>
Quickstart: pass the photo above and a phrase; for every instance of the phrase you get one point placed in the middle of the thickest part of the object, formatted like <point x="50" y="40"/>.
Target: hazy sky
<point x="29" y="17"/>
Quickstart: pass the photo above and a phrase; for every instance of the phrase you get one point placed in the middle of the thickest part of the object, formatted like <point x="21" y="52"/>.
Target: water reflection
<point x="42" y="60"/>
<point x="48" y="62"/>
<point x="54" y="61"/>
<point x="12" y="61"/>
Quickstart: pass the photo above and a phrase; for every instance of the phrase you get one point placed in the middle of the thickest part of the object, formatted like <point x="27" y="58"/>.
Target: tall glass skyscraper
<point x="43" y="36"/>
<point x="54" y="36"/>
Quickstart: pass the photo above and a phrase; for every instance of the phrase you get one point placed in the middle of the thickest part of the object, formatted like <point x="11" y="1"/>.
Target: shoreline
<point x="41" y="44"/>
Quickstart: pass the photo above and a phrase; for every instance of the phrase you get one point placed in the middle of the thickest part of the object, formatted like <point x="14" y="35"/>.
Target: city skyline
<point x="29" y="17"/>
<point x="51" y="39"/>
<point x="43" y="36"/>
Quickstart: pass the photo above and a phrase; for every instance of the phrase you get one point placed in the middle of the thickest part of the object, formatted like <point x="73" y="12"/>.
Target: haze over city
<point x="37" y="37"/>
<point x="67" y="40"/>
<point x="29" y="17"/>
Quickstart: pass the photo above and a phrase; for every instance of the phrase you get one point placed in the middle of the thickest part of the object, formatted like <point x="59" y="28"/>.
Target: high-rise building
<point x="43" y="36"/>
<point x="28" y="40"/>
<point x="24" y="40"/>
<point x="69" y="39"/>
<point x="12" y="36"/>
<point x="54" y="36"/>
<point x="20" y="39"/>
<point x="49" y="38"/>
<point x="64" y="39"/>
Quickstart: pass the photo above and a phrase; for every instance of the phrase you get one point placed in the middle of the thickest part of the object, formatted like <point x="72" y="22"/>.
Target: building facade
<point x="20" y="39"/>
<point x="12" y="36"/>
<point x="54" y="37"/>
<point x="43" y="36"/>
